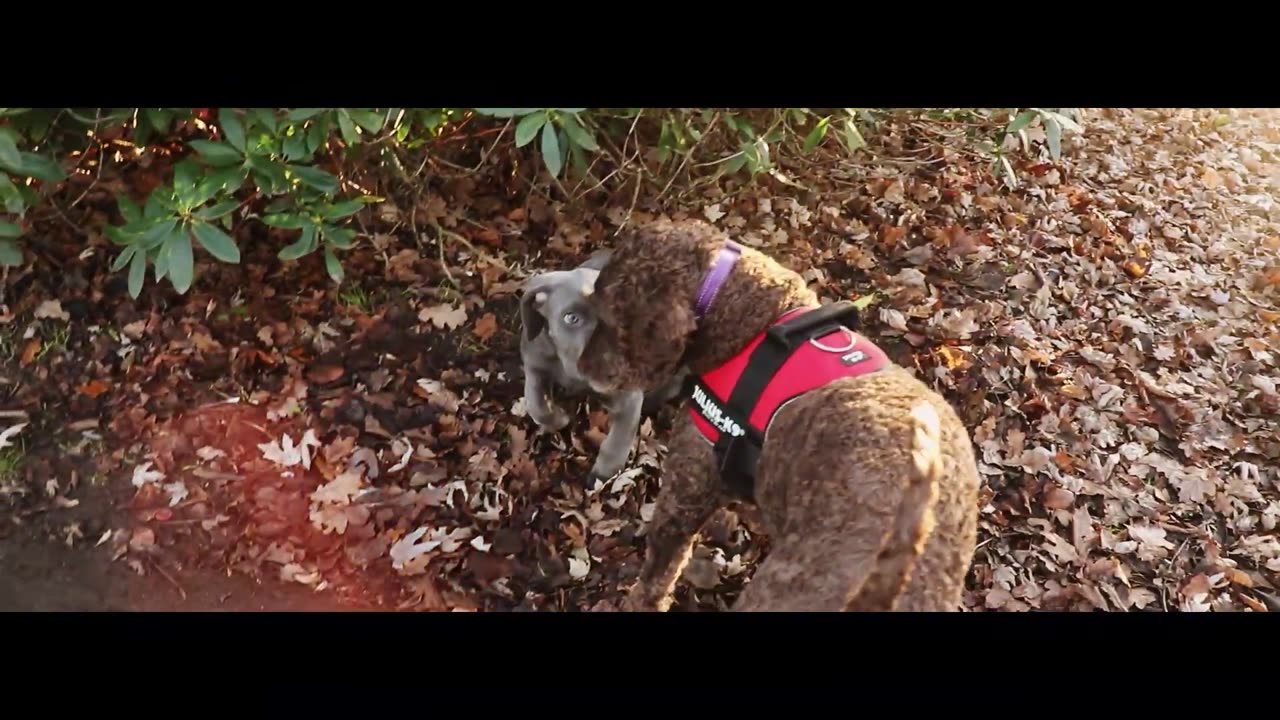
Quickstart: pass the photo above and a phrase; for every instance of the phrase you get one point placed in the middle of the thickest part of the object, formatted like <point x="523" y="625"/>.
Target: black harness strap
<point x="739" y="456"/>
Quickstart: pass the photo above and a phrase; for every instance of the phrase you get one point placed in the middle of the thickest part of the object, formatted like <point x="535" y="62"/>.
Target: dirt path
<point x="42" y="576"/>
<point x="1107" y="329"/>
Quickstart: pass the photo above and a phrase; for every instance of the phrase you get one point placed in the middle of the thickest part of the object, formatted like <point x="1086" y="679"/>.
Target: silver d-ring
<point x="853" y="340"/>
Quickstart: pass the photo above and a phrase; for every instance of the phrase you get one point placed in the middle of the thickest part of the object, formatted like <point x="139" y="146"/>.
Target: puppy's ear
<point x="530" y="316"/>
<point x="598" y="260"/>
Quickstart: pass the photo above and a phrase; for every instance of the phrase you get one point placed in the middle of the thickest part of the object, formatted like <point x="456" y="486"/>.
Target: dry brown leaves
<point x="1108" y="330"/>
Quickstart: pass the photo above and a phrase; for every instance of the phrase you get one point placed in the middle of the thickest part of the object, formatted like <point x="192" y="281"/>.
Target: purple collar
<point x="715" y="278"/>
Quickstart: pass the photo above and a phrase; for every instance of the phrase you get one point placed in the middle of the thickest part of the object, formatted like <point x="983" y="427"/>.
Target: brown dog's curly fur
<point x="868" y="485"/>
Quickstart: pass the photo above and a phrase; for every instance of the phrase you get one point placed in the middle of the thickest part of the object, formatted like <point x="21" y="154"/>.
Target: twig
<point x="589" y="175"/>
<point x="260" y="429"/>
<point x="455" y="236"/>
<point x="168" y="577"/>
<point x="444" y="264"/>
<point x="620" y="160"/>
<point x="61" y="212"/>
<point x="689" y="154"/>
<point x="441" y="234"/>
<point x="484" y="157"/>
<point x="635" y="197"/>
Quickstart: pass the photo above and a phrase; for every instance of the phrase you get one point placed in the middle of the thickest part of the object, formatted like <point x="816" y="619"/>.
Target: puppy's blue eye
<point x="571" y="318"/>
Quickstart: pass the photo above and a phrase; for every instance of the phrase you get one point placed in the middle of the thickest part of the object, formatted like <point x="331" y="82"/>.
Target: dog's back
<point x="867" y="486"/>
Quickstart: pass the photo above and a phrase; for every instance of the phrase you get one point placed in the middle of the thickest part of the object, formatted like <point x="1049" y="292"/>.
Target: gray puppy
<point x="557" y="324"/>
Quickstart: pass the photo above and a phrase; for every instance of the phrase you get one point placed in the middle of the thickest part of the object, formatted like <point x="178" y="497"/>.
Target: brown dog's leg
<point x="915" y="521"/>
<point x="937" y="582"/>
<point x="690" y="495"/>
<point x="851" y="497"/>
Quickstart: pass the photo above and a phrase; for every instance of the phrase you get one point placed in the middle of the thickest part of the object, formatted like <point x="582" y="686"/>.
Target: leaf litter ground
<point x="1107" y="329"/>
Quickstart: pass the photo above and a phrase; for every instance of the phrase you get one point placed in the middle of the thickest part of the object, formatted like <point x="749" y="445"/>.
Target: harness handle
<point x="814" y="324"/>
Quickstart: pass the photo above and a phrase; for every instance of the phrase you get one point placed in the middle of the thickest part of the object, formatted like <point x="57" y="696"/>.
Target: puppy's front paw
<point x="603" y="469"/>
<point x="551" y="420"/>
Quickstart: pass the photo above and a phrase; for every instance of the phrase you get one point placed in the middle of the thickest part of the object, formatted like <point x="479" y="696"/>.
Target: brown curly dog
<point x="867" y="482"/>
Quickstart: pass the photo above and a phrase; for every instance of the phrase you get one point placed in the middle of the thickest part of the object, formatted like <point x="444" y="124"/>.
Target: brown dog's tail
<point x="915" y="520"/>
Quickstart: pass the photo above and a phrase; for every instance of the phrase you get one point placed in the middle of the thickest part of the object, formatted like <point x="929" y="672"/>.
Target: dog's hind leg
<point x="822" y="573"/>
<point x="850" y="503"/>
<point x="915" y="521"/>
<point x="691" y="493"/>
<point x="937" y="581"/>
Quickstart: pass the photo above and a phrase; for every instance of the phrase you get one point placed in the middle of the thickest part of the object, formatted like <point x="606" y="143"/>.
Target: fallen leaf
<point x="367" y="458"/>
<point x="284" y="452"/>
<point x="486" y="326"/>
<point x="51" y="309"/>
<point x="294" y="572"/>
<point x="325" y="374"/>
<point x="1141" y="597"/>
<point x="340" y="490"/>
<point x="8" y="434"/>
<point x="29" y="352"/>
<point x="408" y="548"/>
<point x="1253" y="604"/>
<point x="1063" y="551"/>
<point x="1135" y="268"/>
<point x="893" y="318"/>
<point x="437" y="394"/>
<point x="1151" y="539"/>
<point x="951" y="357"/>
<point x="958" y="324"/>
<point x="579" y="563"/>
<point x="143" y="474"/>
<point x="134" y="330"/>
<point x="444" y="316"/>
<point x="142" y="539"/>
<point x="1211" y="179"/>
<point x="177" y="492"/>
<point x="1239" y="577"/>
<point x="209" y="453"/>
<point x="330" y="518"/>
<point x="997" y="598"/>
<point x="1059" y="499"/>
<point x="895" y="193"/>
<point x="93" y="388"/>
<point x="1075" y="392"/>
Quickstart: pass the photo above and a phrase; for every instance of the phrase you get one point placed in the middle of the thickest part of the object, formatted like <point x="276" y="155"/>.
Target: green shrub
<point x="293" y="167"/>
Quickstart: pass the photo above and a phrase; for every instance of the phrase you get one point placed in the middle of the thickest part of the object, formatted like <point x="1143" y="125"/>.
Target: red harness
<point x="804" y="349"/>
